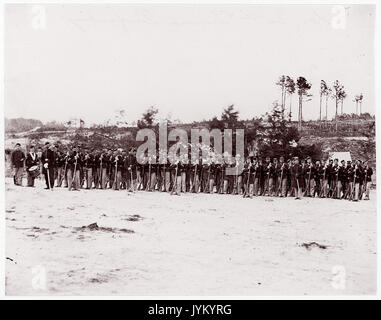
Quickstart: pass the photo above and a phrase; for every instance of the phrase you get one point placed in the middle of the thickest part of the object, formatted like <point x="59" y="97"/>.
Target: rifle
<point x="255" y="177"/>
<point x="267" y="181"/>
<point x="75" y="170"/>
<point x="175" y="180"/>
<point x="132" y="181"/>
<point x="337" y="181"/>
<point x="164" y="188"/>
<point x="65" y="169"/>
<point x="200" y="180"/>
<point x="364" y="183"/>
<point x="141" y="177"/>
<point x="247" y="182"/>
<point x="221" y="188"/>
<point x="101" y="169"/>
<point x="194" y="178"/>
<point x="353" y="186"/>
<point x="148" y="186"/>
<point x="235" y="181"/>
<point x="308" y="181"/>
<point x="281" y="180"/>
<point x="116" y="171"/>
<point x="208" y="180"/>
<point x="322" y="187"/>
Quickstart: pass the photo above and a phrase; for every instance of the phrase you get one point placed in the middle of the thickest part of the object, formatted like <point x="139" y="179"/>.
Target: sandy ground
<point x="185" y="245"/>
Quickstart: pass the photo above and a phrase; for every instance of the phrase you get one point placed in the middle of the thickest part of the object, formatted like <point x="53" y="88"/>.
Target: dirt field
<point x="157" y="244"/>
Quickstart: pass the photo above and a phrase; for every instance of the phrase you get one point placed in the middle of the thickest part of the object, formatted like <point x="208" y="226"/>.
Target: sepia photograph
<point x="178" y="150"/>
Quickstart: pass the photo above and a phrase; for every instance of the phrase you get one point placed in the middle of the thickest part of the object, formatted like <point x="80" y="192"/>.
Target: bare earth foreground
<point x="188" y="245"/>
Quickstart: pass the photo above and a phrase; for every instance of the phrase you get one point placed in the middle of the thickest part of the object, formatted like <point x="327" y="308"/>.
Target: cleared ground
<point x="157" y="244"/>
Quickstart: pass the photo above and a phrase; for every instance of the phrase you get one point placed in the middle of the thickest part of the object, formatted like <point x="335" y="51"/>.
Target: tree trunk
<point x="321" y="95"/>
<point x="342" y="104"/>
<point x="326" y="107"/>
<point x="360" y="107"/>
<point x="290" y="106"/>
<point x="337" y="105"/>
<point x="300" y="113"/>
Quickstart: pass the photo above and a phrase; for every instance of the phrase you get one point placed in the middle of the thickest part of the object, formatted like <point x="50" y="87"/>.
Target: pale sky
<point x="87" y="61"/>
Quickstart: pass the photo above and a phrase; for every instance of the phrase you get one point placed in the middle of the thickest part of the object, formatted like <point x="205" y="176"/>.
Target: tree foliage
<point x="148" y="118"/>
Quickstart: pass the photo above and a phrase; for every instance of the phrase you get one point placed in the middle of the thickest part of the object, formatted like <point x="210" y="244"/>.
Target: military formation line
<point x="77" y="168"/>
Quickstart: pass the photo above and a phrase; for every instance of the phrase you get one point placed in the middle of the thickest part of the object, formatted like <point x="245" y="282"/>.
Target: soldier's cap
<point x="47" y="142"/>
<point x="32" y="146"/>
<point x="296" y="158"/>
<point x="330" y="160"/>
<point x="17" y="145"/>
<point x="349" y="161"/>
<point x="342" y="161"/>
<point x="267" y="158"/>
<point x="308" y="158"/>
<point x="336" y="159"/>
<point x="281" y="158"/>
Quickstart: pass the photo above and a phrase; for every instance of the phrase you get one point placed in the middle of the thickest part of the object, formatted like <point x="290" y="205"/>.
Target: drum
<point x="34" y="171"/>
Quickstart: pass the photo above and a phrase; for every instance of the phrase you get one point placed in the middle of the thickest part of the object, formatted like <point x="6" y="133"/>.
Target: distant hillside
<point x="20" y="125"/>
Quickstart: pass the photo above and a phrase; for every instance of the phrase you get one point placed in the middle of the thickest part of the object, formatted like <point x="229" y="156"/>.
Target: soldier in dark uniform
<point x="362" y="179"/>
<point x="297" y="178"/>
<point x="159" y="176"/>
<point x="308" y="173"/>
<point x="49" y="162"/>
<point x="341" y="182"/>
<point x="290" y="192"/>
<point x="368" y="172"/>
<point x="110" y="169"/>
<point x="282" y="173"/>
<point x="60" y="167"/>
<point x="247" y="178"/>
<point x="318" y="179"/>
<point x="117" y="166"/>
<point x="193" y="175"/>
<point x="273" y="177"/>
<point x="267" y="176"/>
<point x="257" y="177"/>
<point x="96" y="178"/>
<point x="229" y="178"/>
<point x="145" y="172"/>
<point x="73" y="170"/>
<point x="184" y="170"/>
<point x="167" y="176"/>
<point x="334" y="178"/>
<point x="350" y="183"/>
<point x="88" y="165"/>
<point x="326" y="178"/>
<point x="357" y="176"/>
<point x="104" y="163"/>
<point x="212" y="178"/>
<point x="176" y="173"/>
<point x="130" y="168"/>
<point x="17" y="159"/>
<point x="123" y="183"/>
<point x="31" y="161"/>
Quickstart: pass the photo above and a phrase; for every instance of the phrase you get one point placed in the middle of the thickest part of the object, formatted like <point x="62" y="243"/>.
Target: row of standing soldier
<point x="119" y="169"/>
